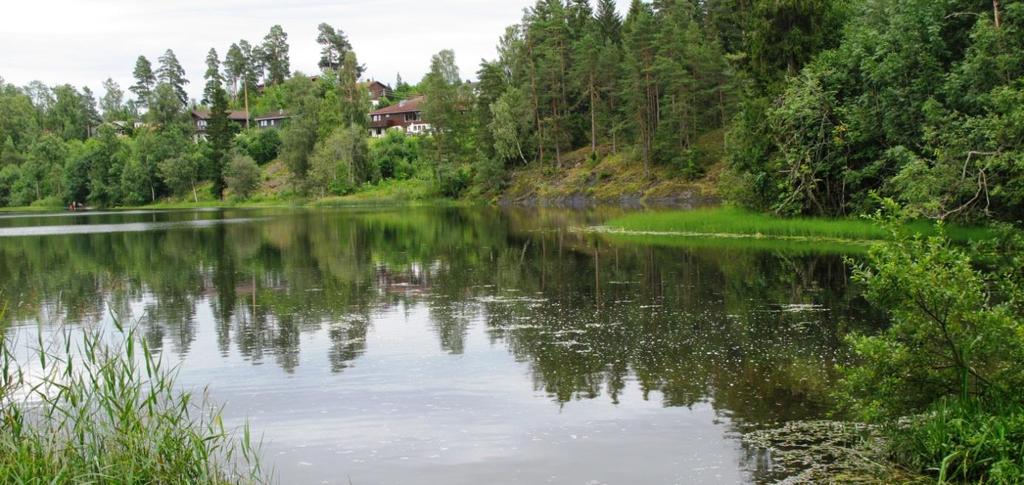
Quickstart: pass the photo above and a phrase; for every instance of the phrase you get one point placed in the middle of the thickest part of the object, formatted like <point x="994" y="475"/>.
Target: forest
<point x="800" y="108"/>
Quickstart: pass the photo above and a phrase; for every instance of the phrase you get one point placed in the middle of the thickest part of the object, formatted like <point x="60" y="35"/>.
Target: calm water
<point x="455" y="346"/>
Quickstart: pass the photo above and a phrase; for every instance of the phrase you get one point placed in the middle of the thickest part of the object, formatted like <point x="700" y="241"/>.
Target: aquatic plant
<point x="85" y="410"/>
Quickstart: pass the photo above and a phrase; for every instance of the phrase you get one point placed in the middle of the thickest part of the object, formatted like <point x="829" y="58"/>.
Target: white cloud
<point x="83" y="42"/>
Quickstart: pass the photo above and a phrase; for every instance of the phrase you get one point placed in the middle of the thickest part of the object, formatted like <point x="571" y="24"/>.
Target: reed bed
<point x="95" y="407"/>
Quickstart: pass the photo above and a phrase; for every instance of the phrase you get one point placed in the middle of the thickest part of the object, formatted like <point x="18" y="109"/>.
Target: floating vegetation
<point x="806" y="452"/>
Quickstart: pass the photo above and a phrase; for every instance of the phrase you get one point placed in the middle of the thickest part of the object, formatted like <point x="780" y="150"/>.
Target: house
<point x="201" y="118"/>
<point x="272" y="120"/>
<point x="406" y="115"/>
<point x="378" y="90"/>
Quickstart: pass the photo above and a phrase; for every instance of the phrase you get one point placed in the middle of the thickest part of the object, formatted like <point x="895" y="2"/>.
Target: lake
<point x="455" y="345"/>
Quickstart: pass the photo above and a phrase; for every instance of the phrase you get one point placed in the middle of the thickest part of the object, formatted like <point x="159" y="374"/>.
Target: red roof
<point x="410" y="105"/>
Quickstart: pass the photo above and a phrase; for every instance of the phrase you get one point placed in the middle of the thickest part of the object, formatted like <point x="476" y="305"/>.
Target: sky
<point x="83" y="42"/>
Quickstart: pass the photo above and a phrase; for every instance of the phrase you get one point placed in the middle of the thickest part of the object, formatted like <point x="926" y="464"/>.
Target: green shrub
<point x="261" y="145"/>
<point x="452" y="181"/>
<point x="243" y="176"/>
<point x="51" y="202"/>
<point x="948" y="375"/>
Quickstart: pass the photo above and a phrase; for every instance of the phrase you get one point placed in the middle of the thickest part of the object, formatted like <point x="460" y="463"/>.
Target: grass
<point x="961" y="441"/>
<point x="788" y="246"/>
<point x="726" y="222"/>
<point x="93" y="412"/>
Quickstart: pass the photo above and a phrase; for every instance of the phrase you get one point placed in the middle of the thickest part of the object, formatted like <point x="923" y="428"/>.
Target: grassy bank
<point x="85" y="411"/>
<point x="725" y="222"/>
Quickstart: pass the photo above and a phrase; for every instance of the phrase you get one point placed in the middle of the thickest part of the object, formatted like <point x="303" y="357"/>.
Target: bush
<point x="261" y="145"/>
<point x="452" y="181"/>
<point x="955" y="333"/>
<point x="243" y="176"/>
<point x="952" y="359"/>
<point x="395" y="155"/>
<point x="49" y="202"/>
<point x="112" y="414"/>
<point x="339" y="164"/>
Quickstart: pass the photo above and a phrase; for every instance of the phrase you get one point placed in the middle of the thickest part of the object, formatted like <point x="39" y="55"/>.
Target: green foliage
<point x="221" y="133"/>
<point x="395" y="156"/>
<point x="340" y="162"/>
<point x="962" y="441"/>
<point x="919" y="101"/>
<point x="243" y="176"/>
<point x="172" y="74"/>
<point x="181" y="173"/>
<point x="298" y="140"/>
<point x="111" y="411"/>
<point x="106" y="155"/>
<point x="145" y="81"/>
<point x="261" y="145"/>
<point x="953" y="357"/>
<point x="955" y="329"/>
<point x="445" y="104"/>
<point x="452" y="181"/>
<point x="274" y="54"/>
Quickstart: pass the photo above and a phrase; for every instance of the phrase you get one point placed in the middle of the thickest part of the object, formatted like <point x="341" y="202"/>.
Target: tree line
<point x="821" y="107"/>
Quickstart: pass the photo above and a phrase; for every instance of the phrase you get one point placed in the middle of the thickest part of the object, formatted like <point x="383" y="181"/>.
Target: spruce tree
<point x="214" y="80"/>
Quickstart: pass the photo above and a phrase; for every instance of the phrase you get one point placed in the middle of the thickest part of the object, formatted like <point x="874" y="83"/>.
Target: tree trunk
<point x="195" y="196"/>
<point x="995" y="11"/>
<point x="245" y="87"/>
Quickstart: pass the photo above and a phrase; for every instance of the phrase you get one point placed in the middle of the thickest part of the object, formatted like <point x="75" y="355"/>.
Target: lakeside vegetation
<point x="946" y="378"/>
<point x="90" y="407"/>
<point x="730" y="222"/>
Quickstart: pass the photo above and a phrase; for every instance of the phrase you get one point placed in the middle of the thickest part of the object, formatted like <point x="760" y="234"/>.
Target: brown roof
<point x="232" y="115"/>
<point x="410" y="105"/>
<point x="277" y="115"/>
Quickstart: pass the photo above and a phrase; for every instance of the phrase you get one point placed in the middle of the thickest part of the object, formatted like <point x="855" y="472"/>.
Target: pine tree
<point x="274" y="52"/>
<point x="172" y="74"/>
<point x="235" y="67"/>
<point x="333" y="46"/>
<point x="145" y="81"/>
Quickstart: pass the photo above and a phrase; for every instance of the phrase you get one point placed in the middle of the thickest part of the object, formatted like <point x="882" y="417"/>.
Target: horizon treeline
<point x="821" y="107"/>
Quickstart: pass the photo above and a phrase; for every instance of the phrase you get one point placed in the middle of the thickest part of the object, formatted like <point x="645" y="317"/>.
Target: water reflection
<point x="745" y="338"/>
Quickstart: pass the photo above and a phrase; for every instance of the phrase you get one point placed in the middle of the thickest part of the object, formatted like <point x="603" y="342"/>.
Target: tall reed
<point x="96" y="407"/>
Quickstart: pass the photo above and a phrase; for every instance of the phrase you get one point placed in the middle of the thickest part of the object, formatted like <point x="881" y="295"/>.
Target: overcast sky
<point x="83" y="42"/>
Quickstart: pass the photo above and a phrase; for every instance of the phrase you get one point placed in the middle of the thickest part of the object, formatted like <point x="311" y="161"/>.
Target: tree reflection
<point x="753" y="332"/>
